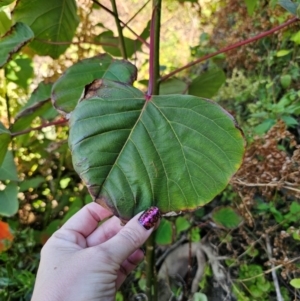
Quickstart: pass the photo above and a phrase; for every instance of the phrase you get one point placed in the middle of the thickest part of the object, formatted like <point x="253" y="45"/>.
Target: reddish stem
<point x="236" y="45"/>
<point x="151" y="57"/>
<point x="57" y="122"/>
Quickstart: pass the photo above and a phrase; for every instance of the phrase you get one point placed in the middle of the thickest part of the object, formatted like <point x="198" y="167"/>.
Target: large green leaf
<point x="9" y="200"/>
<point x="68" y="90"/>
<point x="38" y="105"/>
<point x="13" y="41"/>
<point x="208" y="83"/>
<point x="176" y="152"/>
<point x="5" y="138"/>
<point x="51" y="21"/>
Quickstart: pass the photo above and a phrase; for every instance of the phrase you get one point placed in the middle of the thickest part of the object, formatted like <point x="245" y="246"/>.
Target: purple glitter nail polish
<point x="149" y="218"/>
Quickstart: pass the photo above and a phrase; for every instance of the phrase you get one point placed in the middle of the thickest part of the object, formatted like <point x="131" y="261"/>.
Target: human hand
<point x="82" y="261"/>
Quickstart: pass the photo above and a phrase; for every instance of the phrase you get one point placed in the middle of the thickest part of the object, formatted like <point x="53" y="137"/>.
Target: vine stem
<point x="153" y="89"/>
<point x="123" y="23"/>
<point x="153" y="86"/>
<point x="57" y="122"/>
<point x="231" y="47"/>
<point x="120" y="30"/>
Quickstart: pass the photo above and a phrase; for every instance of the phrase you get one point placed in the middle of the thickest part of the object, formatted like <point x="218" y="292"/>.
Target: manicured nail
<point x="149" y="218"/>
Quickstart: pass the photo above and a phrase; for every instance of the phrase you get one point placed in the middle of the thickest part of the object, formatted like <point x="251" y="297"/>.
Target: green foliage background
<point x="258" y="84"/>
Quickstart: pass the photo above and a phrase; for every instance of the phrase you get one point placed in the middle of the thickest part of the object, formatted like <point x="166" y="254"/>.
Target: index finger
<point x="86" y="220"/>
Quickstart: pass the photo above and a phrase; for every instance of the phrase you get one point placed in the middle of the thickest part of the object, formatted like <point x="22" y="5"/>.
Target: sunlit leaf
<point x="5" y="138"/>
<point x="70" y="87"/>
<point x="20" y="71"/>
<point x="5" y="23"/>
<point x="51" y="21"/>
<point x="176" y="152"/>
<point x="6" y="236"/>
<point x="226" y="217"/>
<point x="13" y="41"/>
<point x="295" y="283"/>
<point x="9" y="200"/>
<point x="208" y="83"/>
<point x="283" y="52"/>
<point x="251" y="4"/>
<point x="8" y="169"/>
<point x="164" y="233"/>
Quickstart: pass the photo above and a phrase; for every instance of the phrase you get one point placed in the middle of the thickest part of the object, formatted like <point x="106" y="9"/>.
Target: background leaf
<point x="8" y="169"/>
<point x="53" y="21"/>
<point x="289" y="6"/>
<point x="164" y="233"/>
<point x="4" y="141"/>
<point x="173" y="86"/>
<point x="5" y="2"/>
<point x="118" y="144"/>
<point x="208" y="83"/>
<point x="70" y="87"/>
<point x="5" y="23"/>
<point x="226" y="217"/>
<point x="9" y="200"/>
<point x="20" y="71"/>
<point x="16" y="38"/>
<point x="38" y="105"/>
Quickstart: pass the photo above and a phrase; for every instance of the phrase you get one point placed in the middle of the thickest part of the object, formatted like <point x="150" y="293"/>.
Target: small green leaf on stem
<point x="13" y="41"/>
<point x="5" y="137"/>
<point x="9" y="200"/>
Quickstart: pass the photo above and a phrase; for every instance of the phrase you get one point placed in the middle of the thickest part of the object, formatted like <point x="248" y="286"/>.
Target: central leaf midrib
<point x="121" y="151"/>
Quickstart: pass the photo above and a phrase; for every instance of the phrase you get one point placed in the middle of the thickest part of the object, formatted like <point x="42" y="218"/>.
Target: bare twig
<point x="123" y="23"/>
<point x="271" y="184"/>
<point x="269" y="271"/>
<point x="228" y="48"/>
<point x="75" y="43"/>
<point x="274" y="276"/>
<point x="57" y="122"/>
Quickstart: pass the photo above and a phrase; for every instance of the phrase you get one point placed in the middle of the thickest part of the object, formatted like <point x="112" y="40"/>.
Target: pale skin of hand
<point x="84" y="262"/>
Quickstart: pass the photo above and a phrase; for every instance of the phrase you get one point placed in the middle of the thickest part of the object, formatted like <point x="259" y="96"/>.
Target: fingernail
<point x="149" y="218"/>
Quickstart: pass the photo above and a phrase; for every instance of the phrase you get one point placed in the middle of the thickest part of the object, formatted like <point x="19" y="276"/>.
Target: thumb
<point x="132" y="235"/>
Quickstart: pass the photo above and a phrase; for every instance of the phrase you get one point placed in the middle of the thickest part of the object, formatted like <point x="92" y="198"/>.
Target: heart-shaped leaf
<point x="176" y="152"/>
<point x="51" y="21"/>
<point x="13" y="41"/>
<point x="68" y="90"/>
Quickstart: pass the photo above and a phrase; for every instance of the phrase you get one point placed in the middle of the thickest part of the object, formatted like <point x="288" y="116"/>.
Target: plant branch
<point x="274" y="276"/>
<point x="75" y="43"/>
<point x="153" y="87"/>
<point x="123" y="23"/>
<point x="120" y="30"/>
<point x="277" y="184"/>
<point x="57" y="122"/>
<point x="228" y="48"/>
<point x="144" y="5"/>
